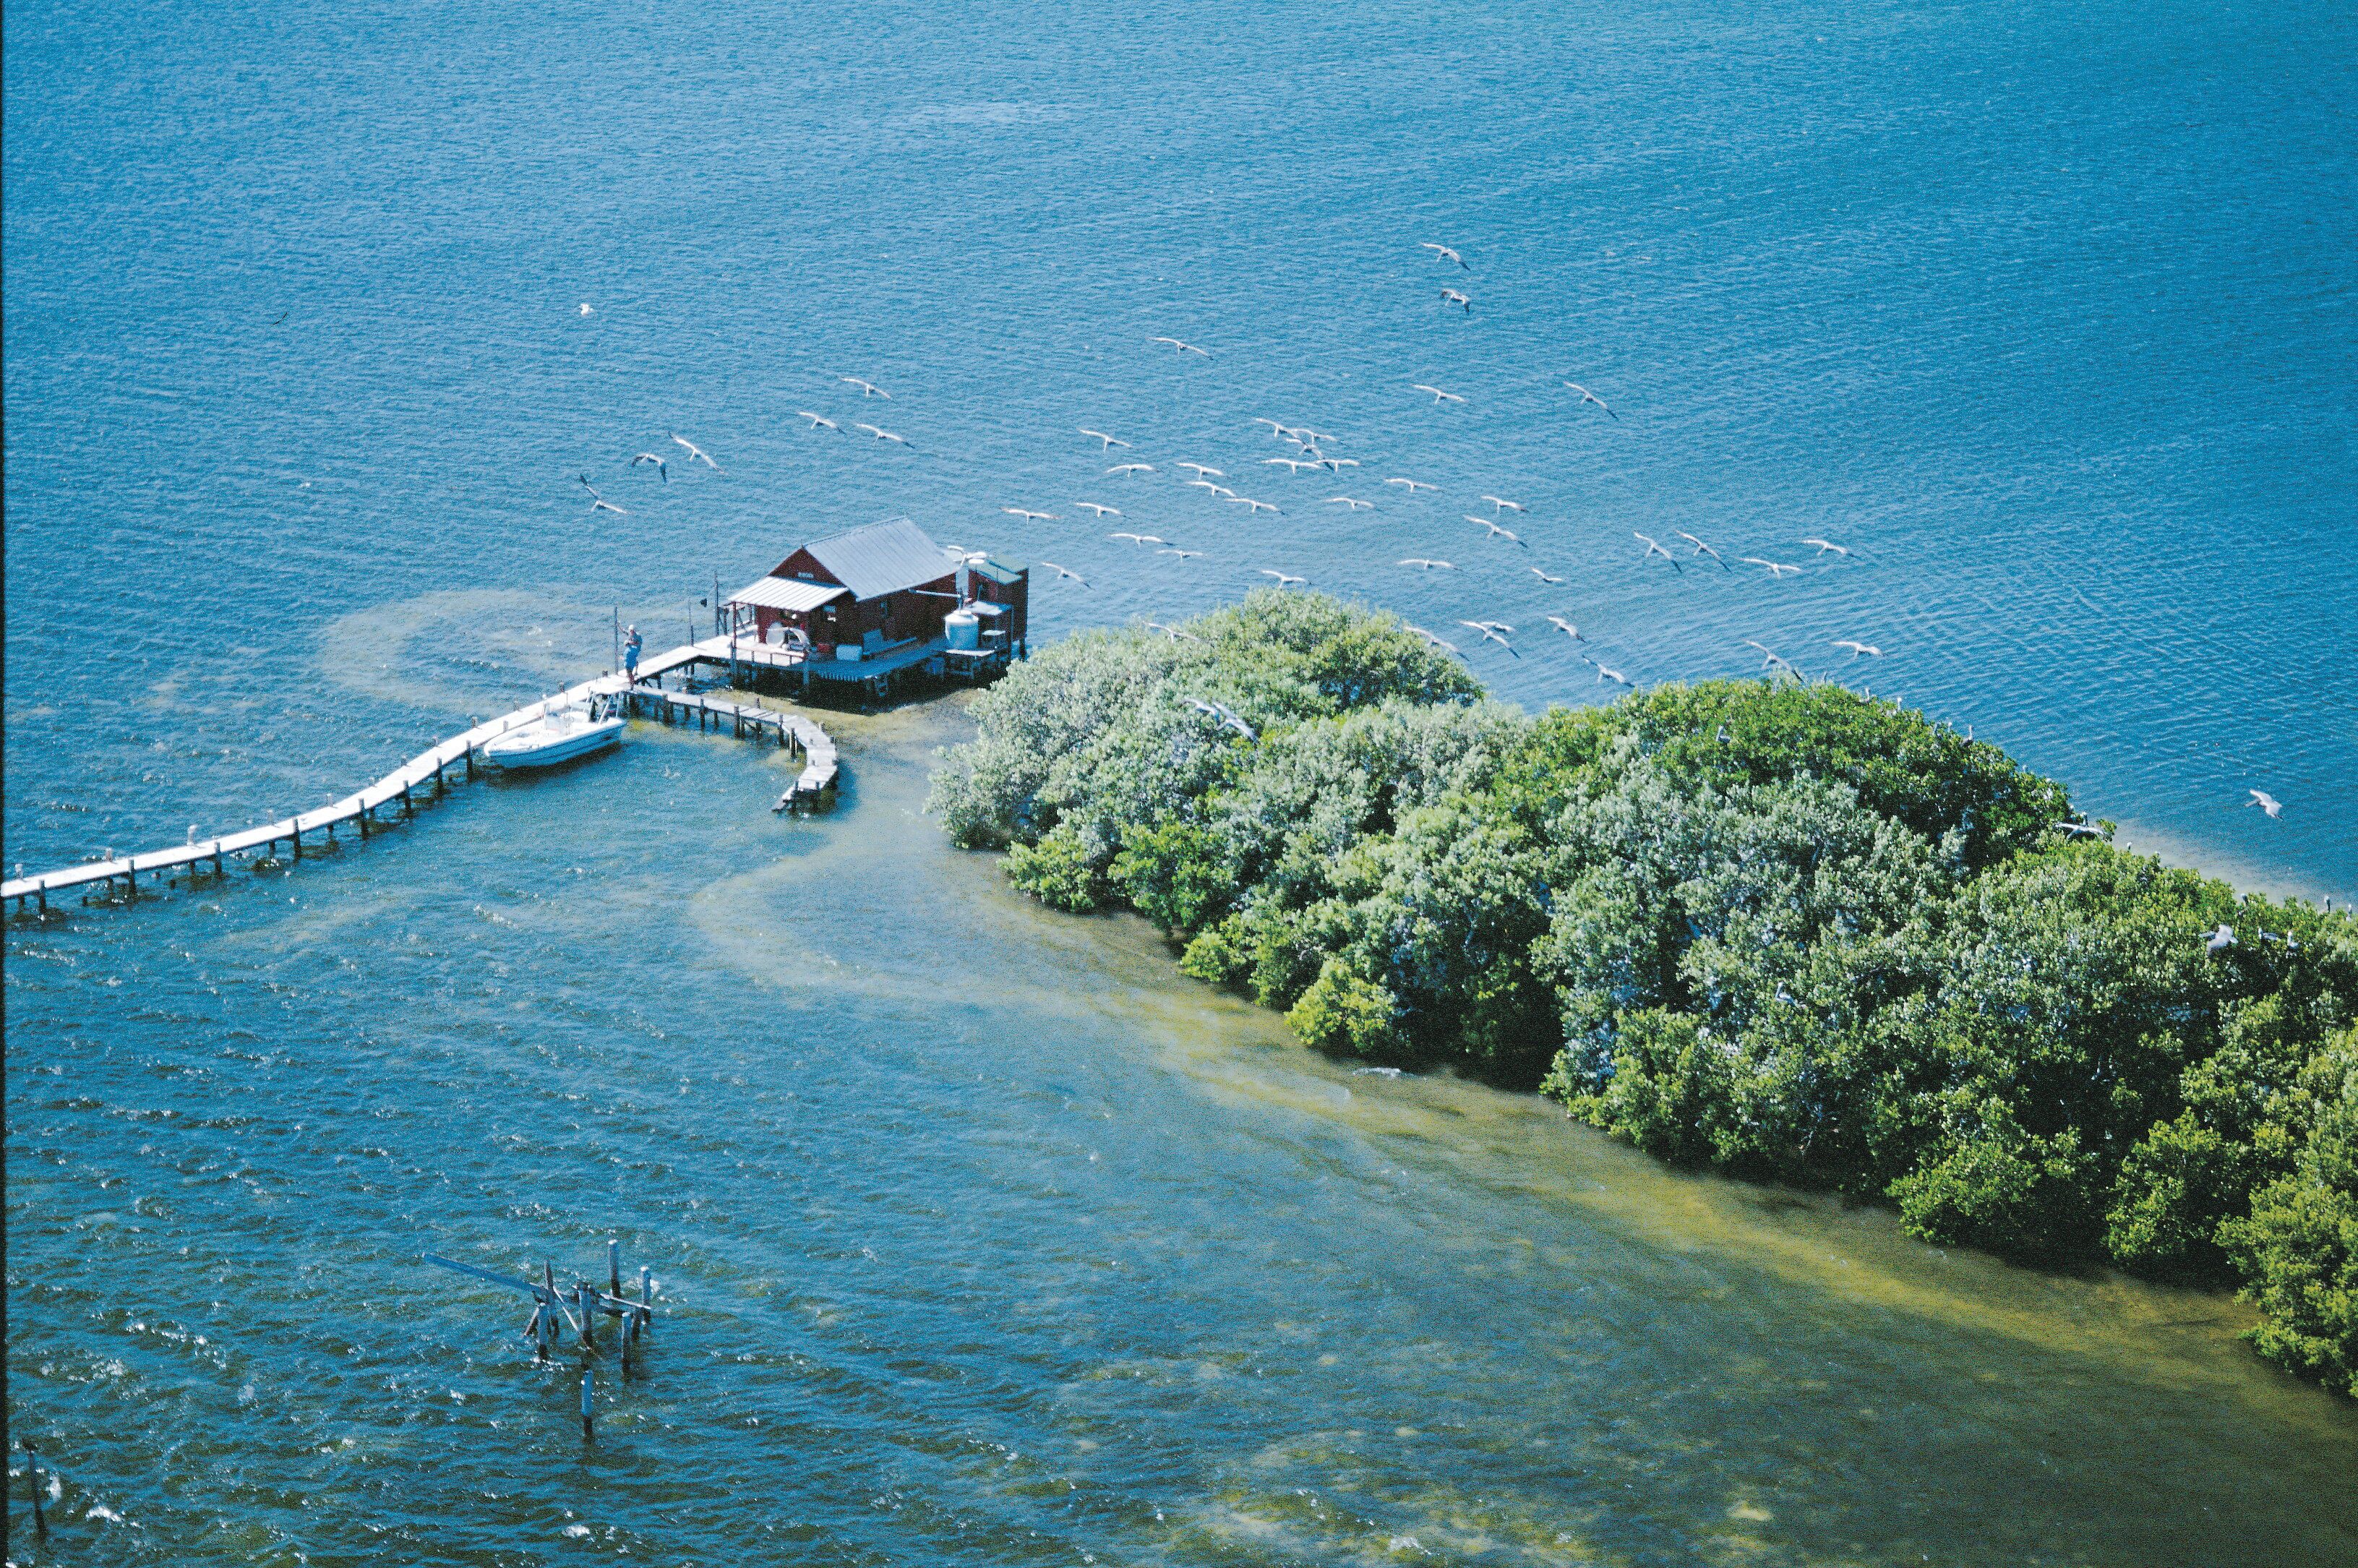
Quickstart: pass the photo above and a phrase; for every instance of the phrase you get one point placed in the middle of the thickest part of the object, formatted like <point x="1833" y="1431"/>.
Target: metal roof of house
<point x="787" y="593"/>
<point x="1000" y="570"/>
<point x="883" y="558"/>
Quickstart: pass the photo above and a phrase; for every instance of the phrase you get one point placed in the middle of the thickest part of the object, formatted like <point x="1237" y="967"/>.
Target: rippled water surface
<point x="988" y="1237"/>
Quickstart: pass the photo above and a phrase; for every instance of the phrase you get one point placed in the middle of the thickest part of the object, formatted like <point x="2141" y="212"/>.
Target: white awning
<point x="787" y="593"/>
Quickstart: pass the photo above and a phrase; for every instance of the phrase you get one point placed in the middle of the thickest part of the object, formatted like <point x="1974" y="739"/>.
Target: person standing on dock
<point x="630" y="645"/>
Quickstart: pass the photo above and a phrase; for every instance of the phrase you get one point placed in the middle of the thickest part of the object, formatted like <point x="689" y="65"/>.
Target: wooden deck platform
<point x="430" y="770"/>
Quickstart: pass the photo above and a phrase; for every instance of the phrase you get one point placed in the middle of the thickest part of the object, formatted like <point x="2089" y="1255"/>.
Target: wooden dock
<point x="429" y="772"/>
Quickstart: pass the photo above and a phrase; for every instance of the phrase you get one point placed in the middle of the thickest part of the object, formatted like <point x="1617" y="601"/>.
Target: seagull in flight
<point x="1131" y="468"/>
<point x="599" y="502"/>
<point x="882" y="435"/>
<point x="1455" y="298"/>
<point x="1294" y="464"/>
<point x="1139" y="539"/>
<point x="1109" y="441"/>
<point x="2219" y="941"/>
<point x="1354" y="505"/>
<point x="1447" y="647"/>
<point x="1702" y="550"/>
<point x="696" y="452"/>
<point x="1227" y="720"/>
<point x="1202" y="471"/>
<point x="1825" y="545"/>
<point x="1774" y="568"/>
<point x="1173" y="632"/>
<point x="1248" y="501"/>
<point x="1181" y="348"/>
<point x="1858" y="648"/>
<point x="1065" y="572"/>
<point x="1769" y="659"/>
<point x="867" y="388"/>
<point x="1550" y="581"/>
<point x="1183" y="555"/>
<point x="1413" y="484"/>
<point x="1029" y="516"/>
<point x="1284" y="581"/>
<point x="1607" y="673"/>
<point x="1274" y="427"/>
<point x="1100" y="511"/>
<point x="1444" y="252"/>
<point x="1338" y="464"/>
<point x="661" y="467"/>
<point x="819" y="421"/>
<point x="2074" y="829"/>
<point x="2268" y="803"/>
<point x="1500" y="504"/>
<point x="1214" y="489"/>
<point x="1588" y="396"/>
<point x="1426" y="562"/>
<point x="1493" y="632"/>
<point x="1654" y="548"/>
<point x="1438" y="395"/>
<point x="1566" y="627"/>
<point x="1496" y="531"/>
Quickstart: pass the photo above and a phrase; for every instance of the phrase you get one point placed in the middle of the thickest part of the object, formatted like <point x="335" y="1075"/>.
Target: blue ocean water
<point x="2044" y="316"/>
<point x="990" y="1238"/>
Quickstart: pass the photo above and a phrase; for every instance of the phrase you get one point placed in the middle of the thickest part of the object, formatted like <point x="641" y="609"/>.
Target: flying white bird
<point x="1702" y="550"/>
<point x="1497" y="531"/>
<point x="1443" y="252"/>
<point x="1654" y="547"/>
<point x="1566" y="627"/>
<point x="1100" y="511"/>
<point x="1588" y="396"/>
<point x="867" y="388"/>
<point x="1208" y="484"/>
<point x="1550" y="581"/>
<point x="1227" y="720"/>
<point x="1131" y="468"/>
<point x="1427" y="564"/>
<point x="2221" y="940"/>
<point x="1413" y="484"/>
<point x="1338" y="464"/>
<point x="1493" y="632"/>
<point x="1354" y="505"/>
<point x="602" y="504"/>
<point x="819" y="421"/>
<point x="696" y="451"/>
<point x="1248" y="501"/>
<point x="1294" y="465"/>
<point x="1774" y="568"/>
<point x="1449" y="648"/>
<point x="1769" y="659"/>
<point x="1202" y="471"/>
<point x="1825" y="545"/>
<point x="2268" y="803"/>
<point x="1139" y="539"/>
<point x="1274" y="427"/>
<point x="661" y="467"/>
<point x="1029" y="516"/>
<point x="1454" y="297"/>
<point x="1500" y="504"/>
<point x="1858" y="648"/>
<point x="1183" y="555"/>
<point x="1065" y="572"/>
<point x="1438" y="395"/>
<point x="1282" y="579"/>
<point x="1181" y="348"/>
<point x="1109" y="442"/>
<point x="2074" y="829"/>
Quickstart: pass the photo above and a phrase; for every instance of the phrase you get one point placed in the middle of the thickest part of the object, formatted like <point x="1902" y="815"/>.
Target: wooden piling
<point x="587" y="1436"/>
<point x="33" y="1472"/>
<point x="614" y="1267"/>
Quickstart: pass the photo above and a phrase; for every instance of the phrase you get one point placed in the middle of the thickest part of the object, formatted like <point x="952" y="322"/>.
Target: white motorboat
<point x="556" y="737"/>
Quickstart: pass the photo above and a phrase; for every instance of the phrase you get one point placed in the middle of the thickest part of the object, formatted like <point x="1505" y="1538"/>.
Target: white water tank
<point x="963" y="627"/>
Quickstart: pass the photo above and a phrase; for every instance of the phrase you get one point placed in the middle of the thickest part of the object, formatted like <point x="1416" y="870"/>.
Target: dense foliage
<point x="1776" y="928"/>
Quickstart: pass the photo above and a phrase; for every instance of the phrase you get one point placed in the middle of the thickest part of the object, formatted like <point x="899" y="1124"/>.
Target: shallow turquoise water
<point x="989" y="1239"/>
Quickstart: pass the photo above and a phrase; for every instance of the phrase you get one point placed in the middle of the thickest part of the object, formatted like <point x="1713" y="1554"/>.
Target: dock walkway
<point x="814" y="788"/>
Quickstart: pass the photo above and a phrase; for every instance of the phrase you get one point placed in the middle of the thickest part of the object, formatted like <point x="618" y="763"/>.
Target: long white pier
<point x="430" y="768"/>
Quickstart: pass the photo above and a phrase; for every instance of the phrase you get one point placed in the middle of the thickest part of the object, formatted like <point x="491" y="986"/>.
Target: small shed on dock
<point x="880" y="588"/>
